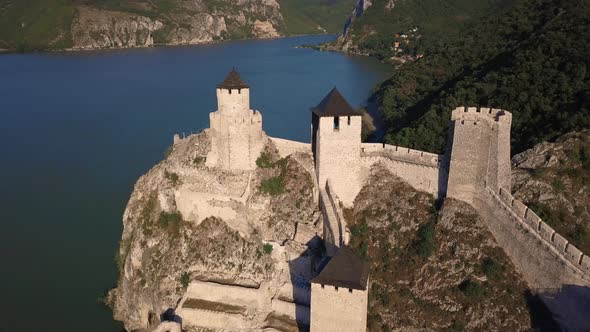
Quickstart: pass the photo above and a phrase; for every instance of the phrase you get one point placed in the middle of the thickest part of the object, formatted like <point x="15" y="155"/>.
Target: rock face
<point x="553" y="179"/>
<point x="186" y="223"/>
<point x="345" y="40"/>
<point x="196" y="22"/>
<point x="93" y="28"/>
<point x="432" y="270"/>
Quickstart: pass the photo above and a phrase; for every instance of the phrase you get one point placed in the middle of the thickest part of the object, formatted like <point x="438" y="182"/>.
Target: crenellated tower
<point x="236" y="131"/>
<point x="480" y="152"/>
<point x="336" y="145"/>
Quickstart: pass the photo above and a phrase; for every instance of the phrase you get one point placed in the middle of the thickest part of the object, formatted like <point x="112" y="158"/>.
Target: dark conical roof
<point x="233" y="81"/>
<point x="334" y="105"/>
<point x="346" y="269"/>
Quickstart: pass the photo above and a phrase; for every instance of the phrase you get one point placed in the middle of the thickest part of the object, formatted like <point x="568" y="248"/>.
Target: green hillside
<point x="372" y="33"/>
<point x="532" y="59"/>
<point x="304" y="16"/>
<point x="34" y="24"/>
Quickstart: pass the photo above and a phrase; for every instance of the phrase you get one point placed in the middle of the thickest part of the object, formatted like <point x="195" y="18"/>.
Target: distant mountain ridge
<point x="93" y="24"/>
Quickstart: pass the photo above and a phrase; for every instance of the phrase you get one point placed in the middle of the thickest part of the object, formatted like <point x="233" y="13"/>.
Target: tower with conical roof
<point x="235" y="130"/>
<point x="336" y="145"/>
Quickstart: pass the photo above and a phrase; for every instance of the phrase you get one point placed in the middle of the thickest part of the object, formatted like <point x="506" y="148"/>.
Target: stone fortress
<point x="475" y="169"/>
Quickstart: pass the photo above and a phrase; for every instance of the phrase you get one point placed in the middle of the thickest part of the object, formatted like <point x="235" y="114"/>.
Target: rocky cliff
<point x="187" y="23"/>
<point x="94" y="29"/>
<point x="553" y="179"/>
<point x="93" y="24"/>
<point x="187" y="223"/>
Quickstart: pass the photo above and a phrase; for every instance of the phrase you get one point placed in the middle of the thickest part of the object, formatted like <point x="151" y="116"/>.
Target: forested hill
<point x="56" y="24"/>
<point x="532" y="59"/>
<point x="373" y="25"/>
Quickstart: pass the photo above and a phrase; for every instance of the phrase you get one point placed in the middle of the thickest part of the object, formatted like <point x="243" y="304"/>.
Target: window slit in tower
<point x="336" y="123"/>
<point x="349" y="120"/>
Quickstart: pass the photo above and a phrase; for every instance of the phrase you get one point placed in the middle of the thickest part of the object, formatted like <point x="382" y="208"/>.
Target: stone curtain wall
<point x="287" y="147"/>
<point x="236" y="132"/>
<point x="334" y="224"/>
<point x="336" y="309"/>
<point x="523" y="215"/>
<point x="422" y="170"/>
<point x="338" y="156"/>
<point x="536" y="253"/>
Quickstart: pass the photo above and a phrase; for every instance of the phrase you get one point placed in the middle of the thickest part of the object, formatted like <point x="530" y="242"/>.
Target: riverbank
<point x="160" y="45"/>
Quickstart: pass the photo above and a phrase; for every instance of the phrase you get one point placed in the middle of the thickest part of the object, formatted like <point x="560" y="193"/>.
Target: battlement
<point x="236" y="130"/>
<point x="401" y="154"/>
<point x="251" y="117"/>
<point x="233" y="102"/>
<point x="473" y="115"/>
<point x="525" y="216"/>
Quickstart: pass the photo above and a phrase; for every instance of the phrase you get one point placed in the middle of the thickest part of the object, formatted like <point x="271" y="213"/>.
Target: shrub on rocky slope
<point x="431" y="268"/>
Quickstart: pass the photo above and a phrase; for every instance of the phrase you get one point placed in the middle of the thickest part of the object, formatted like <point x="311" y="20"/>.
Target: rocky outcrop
<point x="345" y="40"/>
<point x="93" y="28"/>
<point x="264" y="29"/>
<point x="186" y="223"/>
<point x="552" y="179"/>
<point x="196" y="29"/>
<point x="432" y="268"/>
<point x="185" y="23"/>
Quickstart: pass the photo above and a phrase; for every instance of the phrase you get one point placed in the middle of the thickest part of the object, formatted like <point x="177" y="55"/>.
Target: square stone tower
<point x="336" y="145"/>
<point x="235" y="130"/>
<point x="480" y="152"/>
<point x="339" y="294"/>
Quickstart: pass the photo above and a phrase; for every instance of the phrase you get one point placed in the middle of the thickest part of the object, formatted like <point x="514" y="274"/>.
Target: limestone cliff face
<point x="94" y="29"/>
<point x="553" y="179"/>
<point x="185" y="222"/>
<point x="196" y="22"/>
<point x="345" y="40"/>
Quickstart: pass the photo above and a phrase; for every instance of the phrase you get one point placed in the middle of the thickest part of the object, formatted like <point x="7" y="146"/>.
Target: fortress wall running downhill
<point x="288" y="147"/>
<point x="544" y="257"/>
<point x="334" y="224"/>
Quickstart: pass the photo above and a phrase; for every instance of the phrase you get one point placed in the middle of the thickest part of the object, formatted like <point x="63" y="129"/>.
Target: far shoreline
<point x="162" y="45"/>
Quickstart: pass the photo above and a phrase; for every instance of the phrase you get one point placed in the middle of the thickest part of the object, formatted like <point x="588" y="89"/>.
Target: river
<point x="78" y="129"/>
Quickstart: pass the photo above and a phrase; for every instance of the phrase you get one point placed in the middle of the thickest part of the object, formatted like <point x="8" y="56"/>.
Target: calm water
<point x="77" y="130"/>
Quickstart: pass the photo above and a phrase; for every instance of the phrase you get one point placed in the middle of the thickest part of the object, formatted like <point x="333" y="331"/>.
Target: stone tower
<point x="336" y="145"/>
<point x="235" y="130"/>
<point x="339" y="294"/>
<point x="480" y="152"/>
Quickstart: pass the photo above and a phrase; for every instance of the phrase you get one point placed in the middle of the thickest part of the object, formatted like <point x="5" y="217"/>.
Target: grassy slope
<point x="35" y="24"/>
<point x="304" y="16"/>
